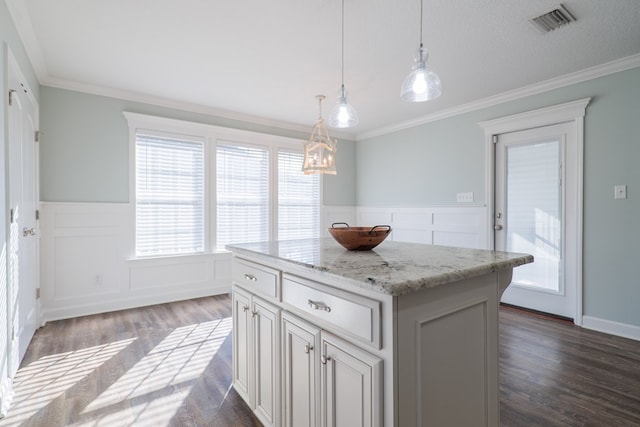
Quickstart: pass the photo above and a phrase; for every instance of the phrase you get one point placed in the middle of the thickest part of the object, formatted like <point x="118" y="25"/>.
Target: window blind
<point x="169" y="195"/>
<point x="298" y="198"/>
<point x="242" y="194"/>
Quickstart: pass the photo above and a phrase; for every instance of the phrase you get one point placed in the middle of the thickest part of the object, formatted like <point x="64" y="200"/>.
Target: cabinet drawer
<point x="256" y="277"/>
<point x="352" y="315"/>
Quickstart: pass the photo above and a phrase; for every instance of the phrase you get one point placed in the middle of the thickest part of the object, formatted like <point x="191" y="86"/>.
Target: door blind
<point x="169" y="195"/>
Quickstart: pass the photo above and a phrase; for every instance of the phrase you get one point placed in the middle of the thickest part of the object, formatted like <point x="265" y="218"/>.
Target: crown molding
<point x="20" y="16"/>
<point x="612" y="67"/>
<point x="184" y="106"/>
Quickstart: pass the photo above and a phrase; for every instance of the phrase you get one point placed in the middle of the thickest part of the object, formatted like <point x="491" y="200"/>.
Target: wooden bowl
<point x="359" y="238"/>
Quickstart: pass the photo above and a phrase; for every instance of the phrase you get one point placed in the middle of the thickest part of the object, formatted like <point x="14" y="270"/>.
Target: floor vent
<point x="554" y="19"/>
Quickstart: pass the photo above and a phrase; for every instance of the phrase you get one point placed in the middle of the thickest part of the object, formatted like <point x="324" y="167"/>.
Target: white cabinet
<point x="310" y="350"/>
<point x="351" y="385"/>
<point x="301" y="372"/>
<point x="327" y="381"/>
<point x="256" y="358"/>
<point x="242" y="360"/>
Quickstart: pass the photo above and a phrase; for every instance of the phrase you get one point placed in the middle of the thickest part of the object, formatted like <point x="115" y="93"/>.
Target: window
<point x="298" y="199"/>
<point x="169" y="194"/>
<point x="200" y="187"/>
<point x="242" y="194"/>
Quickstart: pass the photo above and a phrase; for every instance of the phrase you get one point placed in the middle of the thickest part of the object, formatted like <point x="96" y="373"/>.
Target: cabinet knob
<point x="250" y="277"/>
<point x="254" y="313"/>
<point x="497" y="227"/>
<point x="245" y="308"/>
<point x="308" y="348"/>
<point x="324" y="359"/>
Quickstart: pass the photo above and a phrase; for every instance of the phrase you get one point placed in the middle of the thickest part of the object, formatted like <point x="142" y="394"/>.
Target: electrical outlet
<point x="620" y="192"/>
<point x="464" y="197"/>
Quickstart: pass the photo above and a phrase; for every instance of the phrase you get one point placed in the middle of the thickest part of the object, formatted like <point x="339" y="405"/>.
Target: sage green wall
<point x="427" y="165"/>
<point x="84" y="153"/>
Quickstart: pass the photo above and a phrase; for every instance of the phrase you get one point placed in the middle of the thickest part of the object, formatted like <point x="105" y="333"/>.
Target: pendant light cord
<point x="421" y="18"/>
<point x="342" y="59"/>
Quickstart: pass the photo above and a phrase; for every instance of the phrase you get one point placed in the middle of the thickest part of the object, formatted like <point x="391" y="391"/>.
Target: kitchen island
<point x="402" y="335"/>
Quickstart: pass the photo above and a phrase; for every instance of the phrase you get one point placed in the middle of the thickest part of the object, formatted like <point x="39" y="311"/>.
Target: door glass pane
<point x="533" y="223"/>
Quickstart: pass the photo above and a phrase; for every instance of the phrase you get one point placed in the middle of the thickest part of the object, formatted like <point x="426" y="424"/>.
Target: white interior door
<point x="535" y="201"/>
<point x="23" y="201"/>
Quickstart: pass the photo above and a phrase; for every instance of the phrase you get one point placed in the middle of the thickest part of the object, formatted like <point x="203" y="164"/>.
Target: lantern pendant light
<point x="343" y="115"/>
<point x="422" y="83"/>
<point x="320" y="149"/>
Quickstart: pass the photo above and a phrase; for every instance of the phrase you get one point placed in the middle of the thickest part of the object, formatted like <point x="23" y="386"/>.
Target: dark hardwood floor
<point x="553" y="373"/>
<point x="170" y="365"/>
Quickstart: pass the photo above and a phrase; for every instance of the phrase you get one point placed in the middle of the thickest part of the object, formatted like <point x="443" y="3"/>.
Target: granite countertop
<point x="394" y="268"/>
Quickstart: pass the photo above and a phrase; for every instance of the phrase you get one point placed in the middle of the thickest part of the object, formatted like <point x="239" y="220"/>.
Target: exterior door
<point x="23" y="205"/>
<point x="535" y="205"/>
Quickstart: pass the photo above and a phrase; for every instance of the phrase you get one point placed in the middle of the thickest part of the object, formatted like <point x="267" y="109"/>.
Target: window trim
<point x="211" y="135"/>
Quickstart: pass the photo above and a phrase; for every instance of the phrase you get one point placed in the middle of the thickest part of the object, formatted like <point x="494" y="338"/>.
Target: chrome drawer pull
<point x="319" y="306"/>
<point x="250" y="277"/>
<point x="324" y="359"/>
<point x="308" y="348"/>
<point x="245" y="308"/>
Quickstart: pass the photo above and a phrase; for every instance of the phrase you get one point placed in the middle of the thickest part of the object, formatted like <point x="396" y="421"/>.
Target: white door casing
<point x="571" y="113"/>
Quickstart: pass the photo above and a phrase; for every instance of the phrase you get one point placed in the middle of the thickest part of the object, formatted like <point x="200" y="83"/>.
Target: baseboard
<point x="6" y="396"/>
<point x="610" y="327"/>
<point x="69" y="312"/>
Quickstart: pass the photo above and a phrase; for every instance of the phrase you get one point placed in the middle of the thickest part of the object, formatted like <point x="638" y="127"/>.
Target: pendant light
<point x="343" y="115"/>
<point x="320" y="149"/>
<point x="422" y="84"/>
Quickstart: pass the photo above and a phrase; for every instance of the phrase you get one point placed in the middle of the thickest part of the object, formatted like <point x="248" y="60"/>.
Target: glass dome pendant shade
<point x="422" y="84"/>
<point x="343" y="115"/>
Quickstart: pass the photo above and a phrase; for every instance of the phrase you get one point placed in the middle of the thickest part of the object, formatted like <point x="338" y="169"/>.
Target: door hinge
<point x="11" y="221"/>
<point x="11" y="92"/>
<point x="37" y="293"/>
<point x="37" y="214"/>
<point x="495" y="139"/>
<point x="36" y="137"/>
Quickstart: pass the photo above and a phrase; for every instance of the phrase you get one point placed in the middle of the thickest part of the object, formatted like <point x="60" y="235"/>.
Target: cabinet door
<point x="301" y="342"/>
<point x="266" y="340"/>
<point x="242" y="365"/>
<point x="351" y="385"/>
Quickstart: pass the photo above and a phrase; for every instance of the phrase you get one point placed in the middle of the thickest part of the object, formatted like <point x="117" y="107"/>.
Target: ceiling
<point x="266" y="60"/>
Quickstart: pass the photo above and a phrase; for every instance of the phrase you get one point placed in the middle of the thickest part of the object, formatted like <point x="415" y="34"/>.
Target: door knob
<point x="28" y="232"/>
<point x="497" y="227"/>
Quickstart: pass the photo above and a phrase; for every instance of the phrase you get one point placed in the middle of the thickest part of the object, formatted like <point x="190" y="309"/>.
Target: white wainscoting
<point x="446" y="226"/>
<point x="87" y="267"/>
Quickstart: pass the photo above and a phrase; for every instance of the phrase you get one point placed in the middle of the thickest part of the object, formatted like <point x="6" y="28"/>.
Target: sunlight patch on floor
<point x="162" y="379"/>
<point x="42" y="381"/>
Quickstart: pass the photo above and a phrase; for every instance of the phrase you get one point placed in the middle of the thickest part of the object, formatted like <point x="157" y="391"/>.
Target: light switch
<point x="620" y="192"/>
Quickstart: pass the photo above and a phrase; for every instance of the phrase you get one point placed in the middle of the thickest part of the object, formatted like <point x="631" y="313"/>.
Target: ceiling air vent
<point x="554" y="19"/>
